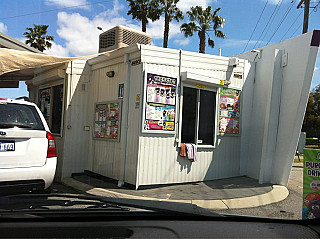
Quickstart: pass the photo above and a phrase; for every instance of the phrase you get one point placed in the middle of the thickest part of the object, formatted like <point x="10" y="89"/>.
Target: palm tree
<point x="171" y="12"/>
<point x="201" y="20"/>
<point x="37" y="37"/>
<point x="142" y="10"/>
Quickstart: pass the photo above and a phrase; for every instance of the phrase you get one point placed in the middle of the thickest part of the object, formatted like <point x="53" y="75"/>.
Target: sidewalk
<point x="231" y="193"/>
<point x="298" y="164"/>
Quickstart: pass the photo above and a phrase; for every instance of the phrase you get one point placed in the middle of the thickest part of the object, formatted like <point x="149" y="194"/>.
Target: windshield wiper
<point x="14" y="125"/>
<point x="27" y="202"/>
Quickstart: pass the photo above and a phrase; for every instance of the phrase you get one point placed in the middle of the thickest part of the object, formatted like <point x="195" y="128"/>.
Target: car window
<point x="18" y="115"/>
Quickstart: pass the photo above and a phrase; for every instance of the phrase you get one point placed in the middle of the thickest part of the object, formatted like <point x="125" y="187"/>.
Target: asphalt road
<point x="290" y="208"/>
<point x="62" y="189"/>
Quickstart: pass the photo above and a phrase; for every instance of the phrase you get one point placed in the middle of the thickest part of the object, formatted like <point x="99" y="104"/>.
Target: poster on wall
<point x="311" y="184"/>
<point x="107" y="120"/>
<point x="159" y="104"/>
<point x="44" y="98"/>
<point x="229" y="111"/>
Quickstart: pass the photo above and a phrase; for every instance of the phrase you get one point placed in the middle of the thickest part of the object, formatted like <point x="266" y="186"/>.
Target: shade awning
<point x="14" y="60"/>
<point x="18" y="65"/>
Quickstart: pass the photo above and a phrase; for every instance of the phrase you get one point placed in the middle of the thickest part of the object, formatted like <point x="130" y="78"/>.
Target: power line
<point x="314" y="10"/>
<point x="281" y="21"/>
<point x="273" y="18"/>
<point x="267" y="24"/>
<point x="53" y="10"/>
<point x="291" y="26"/>
<point x="256" y="25"/>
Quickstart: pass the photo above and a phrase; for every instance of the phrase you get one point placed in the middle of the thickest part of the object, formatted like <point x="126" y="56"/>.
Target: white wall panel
<point x="76" y="116"/>
<point x="160" y="163"/>
<point x="107" y="155"/>
<point x="280" y="94"/>
<point x="134" y="122"/>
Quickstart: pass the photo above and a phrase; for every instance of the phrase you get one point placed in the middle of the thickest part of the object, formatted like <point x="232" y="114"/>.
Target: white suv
<point x="28" y="156"/>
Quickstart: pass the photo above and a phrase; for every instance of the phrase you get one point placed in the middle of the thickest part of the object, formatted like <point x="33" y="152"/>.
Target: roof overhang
<point x="11" y="43"/>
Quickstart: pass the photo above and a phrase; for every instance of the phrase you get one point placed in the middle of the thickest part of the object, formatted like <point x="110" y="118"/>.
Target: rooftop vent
<point x="121" y="36"/>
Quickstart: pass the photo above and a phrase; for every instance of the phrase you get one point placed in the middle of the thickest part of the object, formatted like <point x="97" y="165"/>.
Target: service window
<point x="198" y="116"/>
<point x="51" y="106"/>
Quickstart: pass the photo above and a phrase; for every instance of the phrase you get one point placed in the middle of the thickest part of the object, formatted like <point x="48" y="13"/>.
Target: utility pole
<point x="306" y="14"/>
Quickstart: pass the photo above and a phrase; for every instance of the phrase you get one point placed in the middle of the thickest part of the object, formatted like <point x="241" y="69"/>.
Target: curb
<point x="277" y="194"/>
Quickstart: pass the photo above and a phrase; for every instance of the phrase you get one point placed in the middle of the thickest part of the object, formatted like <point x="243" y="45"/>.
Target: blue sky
<point x="75" y="28"/>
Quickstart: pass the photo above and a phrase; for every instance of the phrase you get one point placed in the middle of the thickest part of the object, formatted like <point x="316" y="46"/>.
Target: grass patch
<point x="313" y="146"/>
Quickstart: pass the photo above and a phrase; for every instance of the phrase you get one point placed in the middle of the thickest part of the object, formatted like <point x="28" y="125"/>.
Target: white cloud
<point x="57" y="50"/>
<point x="117" y="7"/>
<point x="185" y="5"/>
<point x="22" y="39"/>
<point x="3" y="28"/>
<point x="68" y="3"/>
<point x="237" y="43"/>
<point x="182" y="42"/>
<point x="81" y="34"/>
<point x="156" y="29"/>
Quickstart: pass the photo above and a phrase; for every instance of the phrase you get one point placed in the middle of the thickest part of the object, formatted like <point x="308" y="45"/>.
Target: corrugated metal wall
<point x="134" y="125"/>
<point x="159" y="160"/>
<point x="76" y="116"/>
<point x="106" y="155"/>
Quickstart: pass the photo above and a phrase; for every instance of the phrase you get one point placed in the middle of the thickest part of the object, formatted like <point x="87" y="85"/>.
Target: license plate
<point x="6" y="146"/>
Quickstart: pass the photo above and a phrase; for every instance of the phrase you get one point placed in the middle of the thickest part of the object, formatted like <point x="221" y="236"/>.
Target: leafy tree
<point x="37" y="37"/>
<point x="311" y="122"/>
<point x="142" y="10"/>
<point x="171" y="12"/>
<point x="201" y="21"/>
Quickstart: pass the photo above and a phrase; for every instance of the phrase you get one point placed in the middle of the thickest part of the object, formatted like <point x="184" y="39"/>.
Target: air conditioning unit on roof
<point x="121" y="36"/>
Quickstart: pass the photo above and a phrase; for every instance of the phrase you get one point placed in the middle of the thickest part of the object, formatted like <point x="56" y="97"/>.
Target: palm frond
<point x="211" y="42"/>
<point x="220" y="34"/>
<point x="189" y="28"/>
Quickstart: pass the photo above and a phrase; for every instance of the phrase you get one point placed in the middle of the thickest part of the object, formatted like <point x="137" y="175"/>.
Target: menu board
<point x="160" y="103"/>
<point x="229" y="111"/>
<point x="107" y="120"/>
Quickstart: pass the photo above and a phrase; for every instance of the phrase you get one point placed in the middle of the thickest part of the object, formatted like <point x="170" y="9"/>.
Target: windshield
<point x="171" y="106"/>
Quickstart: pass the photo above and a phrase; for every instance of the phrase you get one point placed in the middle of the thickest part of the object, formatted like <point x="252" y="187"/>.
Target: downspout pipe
<point x="179" y="92"/>
<point x="126" y="122"/>
<point x="69" y="96"/>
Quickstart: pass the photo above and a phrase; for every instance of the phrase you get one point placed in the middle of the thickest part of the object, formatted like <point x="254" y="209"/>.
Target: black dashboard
<point x="150" y="227"/>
